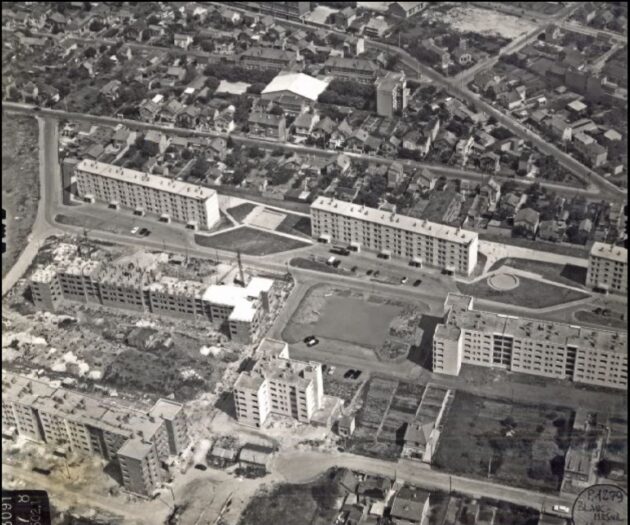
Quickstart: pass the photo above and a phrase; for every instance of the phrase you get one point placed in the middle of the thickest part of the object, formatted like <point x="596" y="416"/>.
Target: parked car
<point x="417" y="282"/>
<point x="134" y="230"/>
<point x="311" y="340"/>
<point x="403" y="280"/>
<point x="354" y="269"/>
<point x="349" y="374"/>
<point x="331" y="370"/>
<point x="561" y="508"/>
<point x="356" y="374"/>
<point x="144" y="232"/>
<point x="370" y="272"/>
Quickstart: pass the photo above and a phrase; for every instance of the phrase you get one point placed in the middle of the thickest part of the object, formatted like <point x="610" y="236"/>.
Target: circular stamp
<point x="601" y="505"/>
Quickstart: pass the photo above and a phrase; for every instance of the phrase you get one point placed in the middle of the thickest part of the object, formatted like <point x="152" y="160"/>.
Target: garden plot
<point x="517" y="444"/>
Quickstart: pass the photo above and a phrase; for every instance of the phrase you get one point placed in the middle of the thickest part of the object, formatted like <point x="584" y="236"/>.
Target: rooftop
<point x="297" y="83"/>
<point x="156" y="182"/>
<point x="403" y="222"/>
<point x="610" y="252"/>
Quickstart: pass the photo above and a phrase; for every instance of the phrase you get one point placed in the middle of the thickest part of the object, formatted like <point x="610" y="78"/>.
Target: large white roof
<point x="298" y="83"/>
<point x="609" y="251"/>
<point x="241" y="299"/>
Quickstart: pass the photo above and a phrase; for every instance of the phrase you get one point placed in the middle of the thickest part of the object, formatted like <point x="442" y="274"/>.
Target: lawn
<point x="241" y="211"/>
<point x="568" y="274"/>
<point x="612" y="320"/>
<point x="307" y="504"/>
<point x="517" y="444"/>
<point x="20" y="183"/>
<point x="572" y="250"/>
<point x="528" y="294"/>
<point x="296" y="225"/>
<point x="318" y="266"/>
<point x="249" y="241"/>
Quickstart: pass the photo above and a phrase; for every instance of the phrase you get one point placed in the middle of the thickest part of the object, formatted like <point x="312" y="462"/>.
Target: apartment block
<point x="422" y="242"/>
<point x="354" y="69"/>
<point x="391" y="94"/>
<point x="171" y="199"/>
<point x="543" y="348"/>
<point x="608" y="268"/>
<point x="288" y="10"/>
<point x="280" y="385"/>
<point x="237" y="310"/>
<point x="139" y="441"/>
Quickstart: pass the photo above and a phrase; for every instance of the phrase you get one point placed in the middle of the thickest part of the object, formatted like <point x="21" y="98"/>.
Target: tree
<point x="90" y="52"/>
<point x="96" y="26"/>
<point x="207" y="45"/>
<point x="604" y="467"/>
<point x="200" y="167"/>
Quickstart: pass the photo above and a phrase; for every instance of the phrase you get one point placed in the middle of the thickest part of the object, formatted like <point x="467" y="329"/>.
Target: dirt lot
<point x="529" y="293"/>
<point x="308" y="504"/>
<point x="568" y="274"/>
<point x="20" y="183"/>
<point x="386" y="407"/>
<point x="250" y="241"/>
<point x="518" y="444"/>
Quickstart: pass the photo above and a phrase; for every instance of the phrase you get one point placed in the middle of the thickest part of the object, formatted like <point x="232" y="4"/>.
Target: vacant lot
<point x="568" y="274"/>
<point x="386" y="408"/>
<point x="20" y="183"/>
<point x="518" y="444"/>
<point x="249" y="241"/>
<point x="528" y="294"/>
<point x="343" y="315"/>
<point x="307" y="504"/>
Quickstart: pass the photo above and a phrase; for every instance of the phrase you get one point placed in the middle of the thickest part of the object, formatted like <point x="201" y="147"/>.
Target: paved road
<point x="579" y="28"/>
<point x="302" y="466"/>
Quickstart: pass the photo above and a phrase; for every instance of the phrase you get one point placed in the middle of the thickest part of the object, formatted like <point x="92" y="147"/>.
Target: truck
<point x="340" y="250"/>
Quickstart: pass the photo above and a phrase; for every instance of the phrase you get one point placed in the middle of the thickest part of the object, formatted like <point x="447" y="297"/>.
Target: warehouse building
<point x="531" y="346"/>
<point x="170" y="199"/>
<point x="422" y="242"/>
<point x="140" y="442"/>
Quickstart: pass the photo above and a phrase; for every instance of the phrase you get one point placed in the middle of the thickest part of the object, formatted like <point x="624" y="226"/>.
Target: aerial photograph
<point x="314" y="263"/>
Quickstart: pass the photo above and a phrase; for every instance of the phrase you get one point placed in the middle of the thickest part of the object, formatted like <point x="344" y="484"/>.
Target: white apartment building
<point x="279" y="385"/>
<point x="608" y="268"/>
<point x="531" y="346"/>
<point x="139" y="441"/>
<point x="171" y="199"/>
<point x="422" y="242"/>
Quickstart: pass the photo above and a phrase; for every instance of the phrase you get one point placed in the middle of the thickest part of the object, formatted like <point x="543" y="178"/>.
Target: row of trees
<point x="347" y="93"/>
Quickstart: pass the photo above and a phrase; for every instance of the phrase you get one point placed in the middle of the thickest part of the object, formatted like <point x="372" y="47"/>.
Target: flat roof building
<point x="87" y="425"/>
<point x="422" y="242"/>
<point x="608" y="268"/>
<point x="391" y="94"/>
<point x="297" y="84"/>
<point x="531" y="346"/>
<point x="145" y="193"/>
<point x="279" y="385"/>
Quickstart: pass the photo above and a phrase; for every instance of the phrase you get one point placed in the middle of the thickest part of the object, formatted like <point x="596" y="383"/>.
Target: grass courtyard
<point x="530" y="293"/>
<point x="249" y="241"/>
<point x="568" y="274"/>
<point x="509" y="442"/>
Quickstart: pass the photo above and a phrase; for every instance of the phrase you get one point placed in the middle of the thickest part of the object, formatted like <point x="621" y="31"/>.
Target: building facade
<point x="239" y="311"/>
<point x="422" y="242"/>
<point x="140" y="442"/>
<point x="391" y="94"/>
<point x="171" y="199"/>
<point x="542" y="348"/>
<point x="354" y="69"/>
<point x="288" y="10"/>
<point x="279" y="385"/>
<point x="608" y="268"/>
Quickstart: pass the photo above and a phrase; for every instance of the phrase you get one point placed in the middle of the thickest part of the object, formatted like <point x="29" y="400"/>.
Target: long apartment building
<point x="279" y="385"/>
<point x="237" y="310"/>
<point x="171" y="199"/>
<point x="288" y="10"/>
<point x="608" y="268"/>
<point x="422" y="242"/>
<point x="139" y="441"/>
<point x="543" y="348"/>
<point x="354" y="69"/>
<point x="258" y="57"/>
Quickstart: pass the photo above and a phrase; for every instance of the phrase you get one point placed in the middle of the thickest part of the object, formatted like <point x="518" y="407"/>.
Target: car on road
<point x="144" y="232"/>
<point x="403" y="280"/>
<point x="311" y="340"/>
<point x="417" y="282"/>
<point x="134" y="230"/>
<point x="561" y="508"/>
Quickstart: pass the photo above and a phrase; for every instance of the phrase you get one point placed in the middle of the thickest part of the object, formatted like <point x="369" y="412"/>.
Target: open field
<point x="249" y="241"/>
<point x="307" y="504"/>
<point x="530" y="293"/>
<point x="20" y="183"/>
<point x="568" y="274"/>
<point x="386" y="408"/>
<point x="518" y="444"/>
